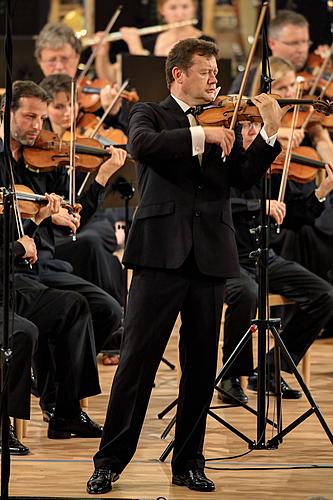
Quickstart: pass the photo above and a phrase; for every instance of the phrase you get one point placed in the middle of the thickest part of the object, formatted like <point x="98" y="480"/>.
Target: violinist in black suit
<point x="181" y="247"/>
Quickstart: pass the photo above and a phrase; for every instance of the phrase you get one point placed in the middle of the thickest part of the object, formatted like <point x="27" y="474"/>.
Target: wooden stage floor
<point x="61" y="468"/>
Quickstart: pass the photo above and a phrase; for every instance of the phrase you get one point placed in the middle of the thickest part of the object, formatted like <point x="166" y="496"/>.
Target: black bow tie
<point x="196" y="110"/>
<point x="191" y="111"/>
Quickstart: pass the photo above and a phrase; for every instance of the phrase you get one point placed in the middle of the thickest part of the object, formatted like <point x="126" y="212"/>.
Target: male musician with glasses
<point x="288" y="38"/>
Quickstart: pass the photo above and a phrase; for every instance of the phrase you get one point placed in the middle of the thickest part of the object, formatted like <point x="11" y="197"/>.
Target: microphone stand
<point x="8" y="203"/>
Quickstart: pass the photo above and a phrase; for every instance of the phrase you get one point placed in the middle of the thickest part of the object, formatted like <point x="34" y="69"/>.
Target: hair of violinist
<point x="278" y="68"/>
<point x="54" y="36"/>
<point x="53" y="84"/>
<point x="24" y="88"/>
<point x="181" y="55"/>
<point x="284" y="18"/>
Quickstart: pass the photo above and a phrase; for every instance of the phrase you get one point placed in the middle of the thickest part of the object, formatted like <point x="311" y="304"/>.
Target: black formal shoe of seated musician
<point x="194" y="479"/>
<point x="48" y="413"/>
<point x="101" y="481"/>
<point x="80" y="426"/>
<point x="286" y="391"/>
<point x="15" y="446"/>
<point x="232" y="387"/>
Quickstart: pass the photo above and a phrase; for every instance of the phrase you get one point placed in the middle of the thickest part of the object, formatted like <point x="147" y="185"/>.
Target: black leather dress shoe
<point x="81" y="426"/>
<point x="286" y="391"/>
<point x="15" y="446"/>
<point x="233" y="387"/>
<point x="48" y="413"/>
<point x="194" y="479"/>
<point x="101" y="481"/>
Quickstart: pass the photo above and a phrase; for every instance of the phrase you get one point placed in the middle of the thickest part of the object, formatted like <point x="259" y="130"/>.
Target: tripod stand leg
<point x="167" y="362"/>
<point x="314" y="407"/>
<point x="234" y="354"/>
<point x="167" y="450"/>
<point x="167" y="409"/>
<point x="277" y="376"/>
<point x="168" y="427"/>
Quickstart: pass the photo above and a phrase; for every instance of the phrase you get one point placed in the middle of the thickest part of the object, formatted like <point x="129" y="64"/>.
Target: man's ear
<point x="177" y="74"/>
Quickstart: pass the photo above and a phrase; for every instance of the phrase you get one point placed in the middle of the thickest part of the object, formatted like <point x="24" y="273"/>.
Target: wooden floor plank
<point x="61" y="468"/>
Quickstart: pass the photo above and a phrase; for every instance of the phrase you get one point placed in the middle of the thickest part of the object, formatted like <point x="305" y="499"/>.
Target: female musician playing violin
<point x="98" y="237"/>
<point x="307" y="233"/>
<point x="58" y="87"/>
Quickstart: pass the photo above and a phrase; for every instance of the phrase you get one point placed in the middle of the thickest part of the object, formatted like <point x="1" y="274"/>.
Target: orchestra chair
<point x="280" y="300"/>
<point x="20" y="427"/>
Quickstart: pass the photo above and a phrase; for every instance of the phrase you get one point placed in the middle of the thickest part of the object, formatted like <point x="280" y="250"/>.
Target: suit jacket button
<point x="197" y="213"/>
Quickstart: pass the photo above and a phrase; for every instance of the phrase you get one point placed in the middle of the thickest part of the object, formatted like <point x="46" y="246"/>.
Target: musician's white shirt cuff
<point x="198" y="140"/>
<point x="269" y="140"/>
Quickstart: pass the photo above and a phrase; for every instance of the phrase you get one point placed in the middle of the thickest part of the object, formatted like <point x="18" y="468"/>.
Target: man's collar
<point x="185" y="107"/>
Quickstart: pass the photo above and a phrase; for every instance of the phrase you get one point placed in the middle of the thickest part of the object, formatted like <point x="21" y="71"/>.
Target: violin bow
<point x="100" y="123"/>
<point x="321" y="70"/>
<point x="249" y="63"/>
<point x="96" y="47"/>
<point x="284" y="178"/>
<point x="72" y="157"/>
<point x="16" y="208"/>
<point x="322" y="93"/>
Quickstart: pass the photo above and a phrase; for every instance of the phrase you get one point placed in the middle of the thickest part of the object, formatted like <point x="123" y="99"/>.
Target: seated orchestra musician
<point x="29" y="109"/>
<point x="303" y="204"/>
<point x="46" y="319"/>
<point x="58" y="51"/>
<point x="288" y="38"/>
<point x="97" y="238"/>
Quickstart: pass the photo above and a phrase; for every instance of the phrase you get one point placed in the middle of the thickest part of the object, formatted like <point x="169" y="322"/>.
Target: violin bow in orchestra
<point x="98" y="43"/>
<point x="98" y="126"/>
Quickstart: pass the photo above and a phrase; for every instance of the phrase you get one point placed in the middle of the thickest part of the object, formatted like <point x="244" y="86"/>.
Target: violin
<point x="86" y="125"/>
<point x="29" y="202"/>
<point x="303" y="167"/>
<point x="220" y="112"/>
<point x="89" y="94"/>
<point x="317" y="64"/>
<point x="49" y="152"/>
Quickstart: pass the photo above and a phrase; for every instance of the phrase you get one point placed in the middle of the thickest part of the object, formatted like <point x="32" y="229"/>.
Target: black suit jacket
<point x="183" y="205"/>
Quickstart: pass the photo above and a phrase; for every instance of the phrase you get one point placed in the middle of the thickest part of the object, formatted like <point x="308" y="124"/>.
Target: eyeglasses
<point x="249" y="125"/>
<point x="52" y="62"/>
<point x="297" y="43"/>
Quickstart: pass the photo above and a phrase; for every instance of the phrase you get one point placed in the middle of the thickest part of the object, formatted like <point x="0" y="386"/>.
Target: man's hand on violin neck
<point x="64" y="218"/>
<point x="110" y="166"/>
<point x="221" y="136"/>
<point x="270" y="112"/>
<point x="30" y="248"/>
